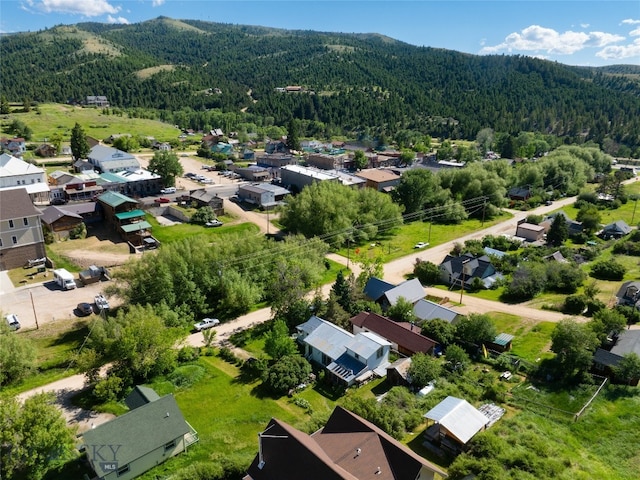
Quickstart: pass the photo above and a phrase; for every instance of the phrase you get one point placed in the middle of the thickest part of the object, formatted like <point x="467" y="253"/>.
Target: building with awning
<point x="123" y="214"/>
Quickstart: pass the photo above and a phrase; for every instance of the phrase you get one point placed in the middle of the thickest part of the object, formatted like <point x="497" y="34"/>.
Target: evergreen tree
<point x="293" y="141"/>
<point x="558" y="232"/>
<point x="4" y="106"/>
<point x="79" y="145"/>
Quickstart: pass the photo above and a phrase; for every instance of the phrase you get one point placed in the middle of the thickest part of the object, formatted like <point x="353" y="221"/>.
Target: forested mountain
<point x="369" y="84"/>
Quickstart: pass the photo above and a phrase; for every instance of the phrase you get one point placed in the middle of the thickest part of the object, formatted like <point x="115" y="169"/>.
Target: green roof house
<point x="137" y="441"/>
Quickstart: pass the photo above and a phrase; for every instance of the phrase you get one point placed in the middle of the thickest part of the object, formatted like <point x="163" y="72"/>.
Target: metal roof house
<point x="604" y="361"/>
<point x="387" y="294"/>
<point x="137" y="441"/>
<point x="108" y="159"/>
<point x="347" y="358"/>
<point x="616" y="229"/>
<point x="346" y="448"/>
<point x="426" y="310"/>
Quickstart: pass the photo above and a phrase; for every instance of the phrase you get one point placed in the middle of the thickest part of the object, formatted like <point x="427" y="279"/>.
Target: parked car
<point x="12" y="321"/>
<point x="58" y="201"/>
<point x="84" y="309"/>
<point x="163" y="200"/>
<point x="206" y="324"/>
<point x="213" y="223"/>
<point x="101" y="302"/>
<point x="168" y="190"/>
<point x="421" y="245"/>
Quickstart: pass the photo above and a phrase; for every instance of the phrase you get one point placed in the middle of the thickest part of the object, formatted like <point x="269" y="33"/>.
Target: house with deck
<point x="123" y="214"/>
<point x="347" y="358"/>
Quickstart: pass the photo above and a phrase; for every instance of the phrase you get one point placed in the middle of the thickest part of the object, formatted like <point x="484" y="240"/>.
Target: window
<point x="380" y="352"/>
<point x="25" y="221"/>
<point x="123" y="470"/>
<point x="10" y="223"/>
<point x="14" y="239"/>
<point x="0" y="242"/>
<point x="33" y="180"/>
<point x="170" y="446"/>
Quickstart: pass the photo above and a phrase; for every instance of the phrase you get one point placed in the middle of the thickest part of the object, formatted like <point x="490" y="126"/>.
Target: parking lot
<point x="46" y="302"/>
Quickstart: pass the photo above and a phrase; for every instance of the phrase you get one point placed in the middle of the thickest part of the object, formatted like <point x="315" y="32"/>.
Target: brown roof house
<point x="380" y="179"/>
<point x="153" y="431"/>
<point x="530" y="231"/>
<point x="347" y="448"/>
<point x="404" y="339"/>
<point x="21" y="237"/>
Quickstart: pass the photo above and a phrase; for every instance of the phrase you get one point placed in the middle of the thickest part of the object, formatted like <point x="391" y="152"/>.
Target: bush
<point x="108" y="389"/>
<point x="188" y="354"/>
<point x="428" y="273"/>
<point x="608" y="270"/>
<point x="575" y="304"/>
<point x="77" y="232"/>
<point x="186" y="376"/>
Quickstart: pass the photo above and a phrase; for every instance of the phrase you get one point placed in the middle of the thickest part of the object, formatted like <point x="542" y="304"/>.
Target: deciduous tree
<point x="17" y="356"/>
<point x="34" y="437"/>
<point x="287" y="373"/>
<point x="167" y="165"/>
<point x="573" y="343"/>
<point x="424" y="368"/>
<point x="277" y="342"/>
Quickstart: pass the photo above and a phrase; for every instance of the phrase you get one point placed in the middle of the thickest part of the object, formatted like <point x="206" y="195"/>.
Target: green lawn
<point x="227" y="413"/>
<point x="51" y="118"/>
<point x="531" y="340"/>
<point x="400" y="241"/>
<point x="167" y="234"/>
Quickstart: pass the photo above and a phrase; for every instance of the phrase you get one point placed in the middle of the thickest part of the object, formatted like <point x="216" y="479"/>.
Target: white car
<point x="168" y="190"/>
<point x="101" y="302"/>
<point x="12" y="321"/>
<point x="421" y="245"/>
<point x="213" y="223"/>
<point x="206" y="324"/>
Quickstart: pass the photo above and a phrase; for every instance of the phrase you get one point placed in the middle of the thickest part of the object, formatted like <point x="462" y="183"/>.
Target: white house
<point x="16" y="173"/>
<point x="347" y="358"/>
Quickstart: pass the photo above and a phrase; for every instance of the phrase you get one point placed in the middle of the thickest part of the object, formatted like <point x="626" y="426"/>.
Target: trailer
<point x="93" y="275"/>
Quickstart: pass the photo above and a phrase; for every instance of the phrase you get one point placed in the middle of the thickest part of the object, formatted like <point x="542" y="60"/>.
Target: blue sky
<point x="573" y="32"/>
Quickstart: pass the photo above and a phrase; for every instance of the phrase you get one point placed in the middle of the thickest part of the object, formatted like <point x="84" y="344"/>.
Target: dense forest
<point x="351" y="83"/>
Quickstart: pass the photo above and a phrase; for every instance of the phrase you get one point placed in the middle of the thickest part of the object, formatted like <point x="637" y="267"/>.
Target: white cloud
<point x="87" y="8"/>
<point x="540" y="39"/>
<point x="635" y="32"/>
<point x="620" y="52"/>
<point x="122" y="20"/>
<point x="630" y="21"/>
<point x="585" y="25"/>
<point x="157" y="3"/>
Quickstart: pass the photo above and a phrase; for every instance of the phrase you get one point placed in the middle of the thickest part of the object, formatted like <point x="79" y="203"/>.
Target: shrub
<point x="186" y="376"/>
<point x="608" y="270"/>
<point x="188" y="354"/>
<point x="79" y="231"/>
<point x="108" y="389"/>
<point x="575" y="304"/>
<point x="428" y="273"/>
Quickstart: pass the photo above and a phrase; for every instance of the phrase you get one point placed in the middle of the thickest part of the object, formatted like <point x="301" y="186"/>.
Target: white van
<point x="168" y="190"/>
<point x="64" y="279"/>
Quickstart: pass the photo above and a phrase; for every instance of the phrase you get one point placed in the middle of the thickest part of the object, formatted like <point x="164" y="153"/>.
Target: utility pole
<point x="33" y="305"/>
<point x="484" y="204"/>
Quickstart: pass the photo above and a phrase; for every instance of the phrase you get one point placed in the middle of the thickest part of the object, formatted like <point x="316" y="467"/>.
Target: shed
<point x="457" y="419"/>
<point x="502" y="342"/>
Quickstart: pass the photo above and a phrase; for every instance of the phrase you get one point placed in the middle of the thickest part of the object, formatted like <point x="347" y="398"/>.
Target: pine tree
<point x="79" y="144"/>
<point x="558" y="232"/>
<point x="293" y="142"/>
